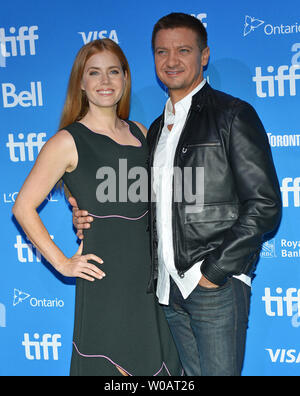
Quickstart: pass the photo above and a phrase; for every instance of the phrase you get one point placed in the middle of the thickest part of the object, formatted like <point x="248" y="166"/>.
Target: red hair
<point x="76" y="104"/>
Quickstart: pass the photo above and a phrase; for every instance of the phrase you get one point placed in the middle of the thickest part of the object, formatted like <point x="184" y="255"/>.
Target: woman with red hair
<point x="119" y="328"/>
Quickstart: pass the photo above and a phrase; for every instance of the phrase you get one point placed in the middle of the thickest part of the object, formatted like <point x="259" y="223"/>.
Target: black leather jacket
<point x="242" y="199"/>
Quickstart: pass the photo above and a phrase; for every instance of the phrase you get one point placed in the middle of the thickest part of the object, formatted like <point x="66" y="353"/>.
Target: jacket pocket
<point x="207" y="144"/>
<point x="190" y="147"/>
<point x="211" y="213"/>
<point x="204" y="229"/>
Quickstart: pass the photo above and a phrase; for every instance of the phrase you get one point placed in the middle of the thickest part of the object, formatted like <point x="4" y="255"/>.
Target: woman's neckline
<point x="113" y="140"/>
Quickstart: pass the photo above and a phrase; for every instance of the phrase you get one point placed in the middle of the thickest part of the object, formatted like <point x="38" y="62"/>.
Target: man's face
<point x="179" y="61"/>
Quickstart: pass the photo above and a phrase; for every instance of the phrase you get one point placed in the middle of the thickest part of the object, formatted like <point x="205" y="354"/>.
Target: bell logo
<point x="31" y="98"/>
<point x="37" y="350"/>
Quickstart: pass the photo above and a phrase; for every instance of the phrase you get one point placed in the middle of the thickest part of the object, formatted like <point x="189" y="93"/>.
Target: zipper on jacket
<point x="211" y="144"/>
<point x="151" y="160"/>
<point x="180" y="273"/>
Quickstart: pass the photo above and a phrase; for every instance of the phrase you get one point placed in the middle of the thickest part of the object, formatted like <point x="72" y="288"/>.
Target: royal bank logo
<point x="268" y="249"/>
<point x="251" y="24"/>
<point x="286" y="248"/>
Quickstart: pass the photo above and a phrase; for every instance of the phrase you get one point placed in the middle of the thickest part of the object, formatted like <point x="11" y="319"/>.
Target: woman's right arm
<point x="58" y="155"/>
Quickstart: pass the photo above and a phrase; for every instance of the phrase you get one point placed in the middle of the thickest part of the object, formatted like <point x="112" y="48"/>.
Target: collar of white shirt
<point x="184" y="104"/>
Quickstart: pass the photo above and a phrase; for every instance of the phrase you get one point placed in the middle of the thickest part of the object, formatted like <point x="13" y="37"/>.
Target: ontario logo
<point x="19" y="297"/>
<point x="251" y="24"/>
<point x="34" y="302"/>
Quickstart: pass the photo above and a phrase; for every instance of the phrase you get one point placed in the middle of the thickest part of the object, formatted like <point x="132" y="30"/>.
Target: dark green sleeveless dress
<point x="117" y="324"/>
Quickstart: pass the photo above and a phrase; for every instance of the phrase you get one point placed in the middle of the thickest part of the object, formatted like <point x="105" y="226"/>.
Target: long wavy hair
<point x="76" y="104"/>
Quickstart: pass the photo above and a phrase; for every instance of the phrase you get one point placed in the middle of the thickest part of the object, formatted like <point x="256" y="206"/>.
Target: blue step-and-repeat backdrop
<point x="255" y="55"/>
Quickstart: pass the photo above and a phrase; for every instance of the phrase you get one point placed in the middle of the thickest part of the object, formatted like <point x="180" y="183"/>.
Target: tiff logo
<point x="201" y="17"/>
<point x="24" y="150"/>
<point x="26" y="251"/>
<point x="296" y="57"/>
<point x="2" y="315"/>
<point x="16" y="42"/>
<point x="284" y="73"/>
<point x="2" y="58"/>
<point x="35" y="349"/>
<point x="275" y="305"/>
<point x="290" y="185"/>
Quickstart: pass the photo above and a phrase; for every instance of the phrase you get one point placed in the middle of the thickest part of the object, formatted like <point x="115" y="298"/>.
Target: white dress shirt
<point x="162" y="186"/>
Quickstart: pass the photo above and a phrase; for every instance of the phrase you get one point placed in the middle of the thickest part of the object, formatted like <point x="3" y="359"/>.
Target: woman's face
<point x="103" y="79"/>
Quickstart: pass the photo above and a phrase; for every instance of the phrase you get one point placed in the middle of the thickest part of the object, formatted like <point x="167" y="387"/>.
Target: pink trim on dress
<point x="117" y="365"/>
<point x="119" y="217"/>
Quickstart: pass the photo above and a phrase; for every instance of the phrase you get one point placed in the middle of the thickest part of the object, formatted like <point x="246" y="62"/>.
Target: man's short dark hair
<point x="178" y="20"/>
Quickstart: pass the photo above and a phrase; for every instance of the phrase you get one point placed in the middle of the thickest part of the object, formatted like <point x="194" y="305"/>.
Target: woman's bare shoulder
<point x="142" y="127"/>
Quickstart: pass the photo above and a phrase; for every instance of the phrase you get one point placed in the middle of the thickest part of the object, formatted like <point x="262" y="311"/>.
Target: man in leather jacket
<point x="204" y="252"/>
<point x="205" y="249"/>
